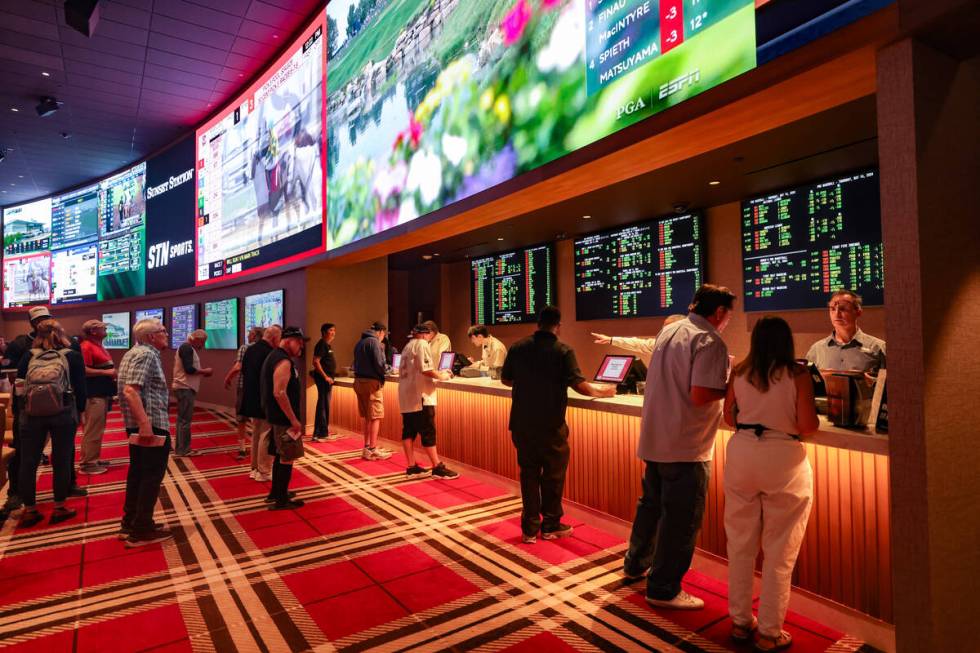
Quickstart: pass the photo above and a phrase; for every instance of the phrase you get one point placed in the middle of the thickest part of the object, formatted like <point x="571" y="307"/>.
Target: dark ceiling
<point x="152" y="71"/>
<point x="835" y="141"/>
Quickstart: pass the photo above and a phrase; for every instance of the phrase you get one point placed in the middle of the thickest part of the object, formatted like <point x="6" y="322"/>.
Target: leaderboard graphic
<point x="802" y="244"/>
<point x="643" y="270"/>
<point x="512" y="287"/>
<point x="260" y="169"/>
<point x="432" y="101"/>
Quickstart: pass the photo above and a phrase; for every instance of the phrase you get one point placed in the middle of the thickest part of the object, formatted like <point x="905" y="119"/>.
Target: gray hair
<point x="146" y="328"/>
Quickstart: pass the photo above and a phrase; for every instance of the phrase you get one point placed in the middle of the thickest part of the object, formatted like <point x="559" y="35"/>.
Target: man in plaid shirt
<point x="144" y="407"/>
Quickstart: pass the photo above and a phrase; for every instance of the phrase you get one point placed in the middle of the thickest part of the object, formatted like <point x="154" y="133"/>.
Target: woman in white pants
<point x="768" y="479"/>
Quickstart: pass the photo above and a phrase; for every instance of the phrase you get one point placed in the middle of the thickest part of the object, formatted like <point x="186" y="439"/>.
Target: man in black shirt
<point x="540" y="369"/>
<point x="252" y="363"/>
<point x="280" y="401"/>
<point x="324" y="371"/>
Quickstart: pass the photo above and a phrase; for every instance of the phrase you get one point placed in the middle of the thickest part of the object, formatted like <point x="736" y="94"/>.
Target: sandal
<point x="778" y="643"/>
<point x="743" y="633"/>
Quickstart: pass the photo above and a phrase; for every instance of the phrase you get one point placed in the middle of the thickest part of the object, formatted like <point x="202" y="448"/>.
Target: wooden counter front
<point x="846" y="555"/>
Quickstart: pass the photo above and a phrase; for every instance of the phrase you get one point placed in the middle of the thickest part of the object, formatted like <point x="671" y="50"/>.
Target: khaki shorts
<point x="370" y="398"/>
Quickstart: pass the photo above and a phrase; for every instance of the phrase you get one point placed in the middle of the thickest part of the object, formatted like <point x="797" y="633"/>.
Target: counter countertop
<point x="828" y="434"/>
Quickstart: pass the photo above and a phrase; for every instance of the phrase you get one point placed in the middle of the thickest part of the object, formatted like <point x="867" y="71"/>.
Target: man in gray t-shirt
<point x="685" y="384"/>
<point x="848" y="347"/>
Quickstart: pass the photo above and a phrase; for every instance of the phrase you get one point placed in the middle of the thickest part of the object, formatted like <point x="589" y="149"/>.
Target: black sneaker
<point x="442" y="472"/>
<point x="241" y="455"/>
<point x="13" y="503"/>
<point x="103" y="463"/>
<point x="288" y="505"/>
<point x="61" y="514"/>
<point x="417" y="471"/>
<point x="149" y="537"/>
<point x="76" y="491"/>
<point x="45" y="460"/>
<point x="563" y="530"/>
<point x="269" y="498"/>
<point x="30" y="518"/>
<point x="125" y="531"/>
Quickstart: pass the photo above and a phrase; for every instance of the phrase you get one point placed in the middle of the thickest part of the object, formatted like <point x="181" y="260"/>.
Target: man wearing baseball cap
<point x="16" y="350"/>
<point x="100" y="382"/>
<point x="369" y="379"/>
<point x="280" y="390"/>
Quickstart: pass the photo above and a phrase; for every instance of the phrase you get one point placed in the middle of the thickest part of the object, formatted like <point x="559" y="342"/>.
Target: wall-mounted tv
<point x="117" y="330"/>
<point x="260" y="168"/>
<point x="183" y="320"/>
<point x="512" y="287"/>
<point x="432" y="101"/>
<point x="264" y="309"/>
<point x="801" y="244"/>
<point x="122" y="234"/>
<point x="148" y="314"/>
<point x="642" y="270"/>
<point x="221" y="323"/>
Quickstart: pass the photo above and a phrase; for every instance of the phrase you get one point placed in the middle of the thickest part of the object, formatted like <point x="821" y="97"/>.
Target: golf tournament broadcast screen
<point x="260" y="169"/>
<point x="432" y="101"/>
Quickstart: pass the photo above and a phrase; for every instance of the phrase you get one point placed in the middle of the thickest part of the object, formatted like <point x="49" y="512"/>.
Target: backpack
<point x="46" y="384"/>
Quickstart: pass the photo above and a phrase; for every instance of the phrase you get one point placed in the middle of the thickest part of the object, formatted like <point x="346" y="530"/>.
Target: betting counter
<point x="846" y="553"/>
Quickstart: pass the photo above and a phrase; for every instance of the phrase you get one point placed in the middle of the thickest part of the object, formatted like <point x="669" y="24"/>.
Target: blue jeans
<point x="321" y="419"/>
<point x="185" y="412"/>
<point x="668" y="519"/>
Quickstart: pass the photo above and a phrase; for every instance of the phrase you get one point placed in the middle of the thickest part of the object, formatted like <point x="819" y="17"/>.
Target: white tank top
<point x="776" y="409"/>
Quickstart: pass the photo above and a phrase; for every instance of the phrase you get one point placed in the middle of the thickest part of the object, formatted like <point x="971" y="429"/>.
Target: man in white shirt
<point x="439" y="343"/>
<point x="848" y="347"/>
<point x="686" y="381"/>
<point x="417" y="375"/>
<point x="493" y="352"/>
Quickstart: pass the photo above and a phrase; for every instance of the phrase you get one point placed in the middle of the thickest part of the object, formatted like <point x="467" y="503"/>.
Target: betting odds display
<point x="802" y="244"/>
<point x="221" y="323"/>
<point x="183" y="320"/>
<point x="260" y="169"/>
<point x="512" y="287"/>
<point x="642" y="270"/>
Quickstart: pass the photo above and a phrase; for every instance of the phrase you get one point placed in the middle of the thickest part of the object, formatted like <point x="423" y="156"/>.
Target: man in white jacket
<point x="638" y="345"/>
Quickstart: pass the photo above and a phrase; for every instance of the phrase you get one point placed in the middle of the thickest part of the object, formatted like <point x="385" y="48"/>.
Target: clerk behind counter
<point x="847" y="348"/>
<point x="493" y="351"/>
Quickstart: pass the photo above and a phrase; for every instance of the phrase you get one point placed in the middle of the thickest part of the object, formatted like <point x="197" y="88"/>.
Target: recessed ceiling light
<point x="435" y="253"/>
<point x="586" y="217"/>
<point x="501" y="238"/>
<point x="713" y="182"/>
<point x="427" y="257"/>
<point x="15" y="109"/>
<point x="20" y="176"/>
<point x="44" y="74"/>
<point x="241" y="74"/>
<point x="275" y="36"/>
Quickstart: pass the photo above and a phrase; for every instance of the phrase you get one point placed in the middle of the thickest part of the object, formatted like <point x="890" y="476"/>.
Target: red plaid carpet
<point x="372" y="562"/>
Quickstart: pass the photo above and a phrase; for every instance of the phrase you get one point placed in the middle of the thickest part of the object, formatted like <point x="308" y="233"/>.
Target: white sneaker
<point x="375" y="454"/>
<point x="261" y="478"/>
<point x="251" y="474"/>
<point x="683" y="601"/>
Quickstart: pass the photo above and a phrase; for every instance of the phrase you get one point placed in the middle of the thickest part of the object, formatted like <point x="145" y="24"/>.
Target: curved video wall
<point x="381" y="111"/>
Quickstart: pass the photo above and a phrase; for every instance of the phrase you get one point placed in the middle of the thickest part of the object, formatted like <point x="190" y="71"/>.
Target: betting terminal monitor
<point x="614" y="368"/>
<point x="446" y="361"/>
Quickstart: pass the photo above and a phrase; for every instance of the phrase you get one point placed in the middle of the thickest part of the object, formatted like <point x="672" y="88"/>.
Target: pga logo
<point x="630" y="108"/>
<point x="159" y="255"/>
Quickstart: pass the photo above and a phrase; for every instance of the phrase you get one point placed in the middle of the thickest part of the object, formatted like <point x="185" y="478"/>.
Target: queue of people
<point x="692" y="384"/>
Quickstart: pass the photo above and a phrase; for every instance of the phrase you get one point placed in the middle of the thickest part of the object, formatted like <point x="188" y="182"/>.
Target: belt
<point x="759" y="429"/>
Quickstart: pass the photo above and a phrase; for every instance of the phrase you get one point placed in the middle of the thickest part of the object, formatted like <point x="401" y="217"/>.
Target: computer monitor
<point x="396" y="361"/>
<point x="446" y="360"/>
<point x="614" y="368"/>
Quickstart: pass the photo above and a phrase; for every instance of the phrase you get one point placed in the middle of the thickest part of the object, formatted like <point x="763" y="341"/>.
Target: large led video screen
<point x="431" y="101"/>
<point x="802" y="244"/>
<point x="264" y="309"/>
<point x="170" y="210"/>
<point x="117" y="330"/>
<point x="122" y="234"/>
<point x="26" y="280"/>
<point x="27" y="228"/>
<point x="260" y="169"/>
<point x="221" y="323"/>
<point x="26" y="254"/>
<point x="75" y="246"/>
